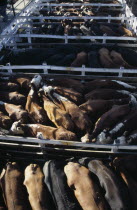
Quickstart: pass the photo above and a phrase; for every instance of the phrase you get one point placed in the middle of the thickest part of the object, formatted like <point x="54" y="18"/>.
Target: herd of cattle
<point x="88" y="184"/>
<point x="74" y="56"/>
<point x="102" y="111"/>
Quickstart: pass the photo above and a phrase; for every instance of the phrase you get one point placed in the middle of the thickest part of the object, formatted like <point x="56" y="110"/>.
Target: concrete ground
<point x="18" y="6"/>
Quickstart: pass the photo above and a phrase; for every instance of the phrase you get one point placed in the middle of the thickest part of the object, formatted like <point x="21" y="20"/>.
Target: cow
<point x="23" y="82"/>
<point x="130" y="182"/>
<point x="96" y="108"/>
<point x="80" y="60"/>
<point x="5" y="121"/>
<point x="117" y="194"/>
<point x="124" y="31"/>
<point x="132" y="138"/>
<point x="108" y="84"/>
<point x="121" y="129"/>
<point x="81" y="120"/>
<point x="42" y="131"/>
<point x="36" y="82"/>
<point x="85" y="189"/>
<point x="35" y="110"/>
<point x="13" y="98"/>
<point x="9" y="86"/>
<point x="109" y="119"/>
<point x="15" y="195"/>
<point x="15" y="112"/>
<point x="38" y="192"/>
<point x="105" y="59"/>
<point x="59" y="117"/>
<point x="2" y="203"/>
<point x="107" y="94"/>
<point x="108" y="31"/>
<point x="55" y="179"/>
<point x="118" y="59"/>
<point x="65" y="82"/>
<point x="93" y="59"/>
<point x="70" y="94"/>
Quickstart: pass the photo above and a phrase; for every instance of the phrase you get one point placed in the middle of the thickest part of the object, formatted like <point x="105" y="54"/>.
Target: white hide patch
<point x="116" y="128"/>
<point x="51" y="80"/>
<point x="133" y="136"/>
<point x="16" y="129"/>
<point x="101" y="138"/>
<point x="47" y="89"/>
<point x="31" y="92"/>
<point x="39" y="135"/>
<point x="124" y="84"/>
<point x="59" y="97"/>
<point x="124" y="92"/>
<point x="133" y="100"/>
<point x="120" y="140"/>
<point x="36" y="81"/>
<point x="2" y="103"/>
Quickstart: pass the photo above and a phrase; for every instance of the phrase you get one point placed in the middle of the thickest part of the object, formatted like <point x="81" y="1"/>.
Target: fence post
<point x="9" y="69"/>
<point x="120" y="74"/>
<point x="28" y="32"/>
<point x="45" y="69"/>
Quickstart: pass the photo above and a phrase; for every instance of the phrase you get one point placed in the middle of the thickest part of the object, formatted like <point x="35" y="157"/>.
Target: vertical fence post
<point x="9" y="69"/>
<point x="28" y="32"/>
<point x="45" y="70"/>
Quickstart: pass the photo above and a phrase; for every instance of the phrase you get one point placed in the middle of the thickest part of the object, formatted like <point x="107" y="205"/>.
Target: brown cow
<point x="80" y="119"/>
<point x="42" y="131"/>
<point x="107" y="94"/>
<point x="107" y="30"/>
<point x="110" y="118"/>
<point x="125" y="31"/>
<point x="70" y="94"/>
<point x="59" y="117"/>
<point x="15" y="112"/>
<point x="105" y="59"/>
<point x="24" y="82"/>
<point x="80" y="60"/>
<point x="116" y="195"/>
<point x="14" y="192"/>
<point x="118" y="59"/>
<point x="85" y="189"/>
<point x="65" y="82"/>
<point x="5" y="121"/>
<point x="9" y="86"/>
<point x="108" y="84"/>
<point x="13" y="97"/>
<point x="130" y="182"/>
<point x="37" y="113"/>
<point x="96" y="108"/>
<point x="38" y="193"/>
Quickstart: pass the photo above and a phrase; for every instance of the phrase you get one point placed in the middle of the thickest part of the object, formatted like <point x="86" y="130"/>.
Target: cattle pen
<point x="23" y="34"/>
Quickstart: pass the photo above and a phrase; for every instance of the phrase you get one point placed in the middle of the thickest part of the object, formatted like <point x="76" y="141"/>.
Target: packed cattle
<point x="72" y="56"/>
<point x="102" y="111"/>
<point x="70" y="184"/>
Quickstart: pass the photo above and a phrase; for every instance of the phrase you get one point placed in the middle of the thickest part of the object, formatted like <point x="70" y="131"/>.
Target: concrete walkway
<point x="18" y="6"/>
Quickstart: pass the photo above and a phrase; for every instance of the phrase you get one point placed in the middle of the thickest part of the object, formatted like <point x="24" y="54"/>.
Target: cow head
<point x="16" y="128"/>
<point x="36" y="81"/>
<point x="104" y="137"/>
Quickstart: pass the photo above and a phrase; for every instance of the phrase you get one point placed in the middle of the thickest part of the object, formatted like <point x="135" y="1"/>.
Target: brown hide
<point x="38" y="193"/>
<point x="105" y="94"/>
<point x="80" y="60"/>
<point x="48" y="132"/>
<point x="95" y="108"/>
<point x="111" y="118"/>
<point x="37" y="113"/>
<point x="80" y="119"/>
<point x="13" y="97"/>
<point x="85" y="189"/>
<point x="118" y="59"/>
<point x="9" y="86"/>
<point x="107" y="83"/>
<point x="131" y="184"/>
<point x="107" y="30"/>
<point x="57" y="116"/>
<point x="24" y="82"/>
<point x="16" y="112"/>
<point x="14" y="192"/>
<point x="125" y="31"/>
<point x="5" y="121"/>
<point x="70" y="94"/>
<point x="68" y="83"/>
<point x="105" y="59"/>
